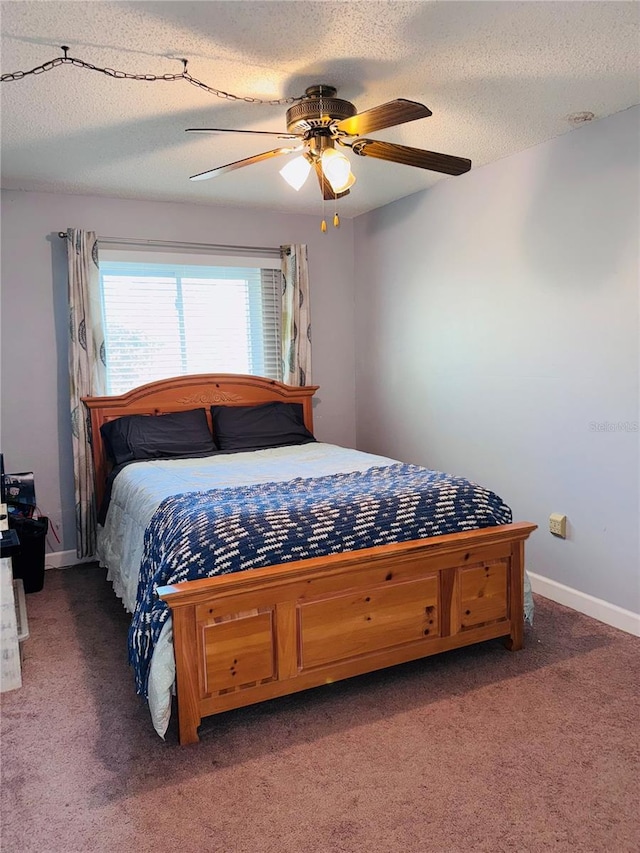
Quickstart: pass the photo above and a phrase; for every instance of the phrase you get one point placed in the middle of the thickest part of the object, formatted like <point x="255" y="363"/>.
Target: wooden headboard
<point x="187" y="392"/>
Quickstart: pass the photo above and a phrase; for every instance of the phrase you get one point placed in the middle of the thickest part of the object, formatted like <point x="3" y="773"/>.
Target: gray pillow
<point x="256" y="427"/>
<point x="157" y="436"/>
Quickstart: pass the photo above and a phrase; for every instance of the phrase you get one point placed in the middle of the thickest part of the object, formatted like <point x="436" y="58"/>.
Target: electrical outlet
<point x="558" y="525"/>
<point x="4" y="517"/>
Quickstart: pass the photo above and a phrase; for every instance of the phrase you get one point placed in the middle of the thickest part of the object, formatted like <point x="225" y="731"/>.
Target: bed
<point x="244" y="637"/>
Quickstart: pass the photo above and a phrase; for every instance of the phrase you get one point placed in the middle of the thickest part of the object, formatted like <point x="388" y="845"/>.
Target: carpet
<point x="477" y="749"/>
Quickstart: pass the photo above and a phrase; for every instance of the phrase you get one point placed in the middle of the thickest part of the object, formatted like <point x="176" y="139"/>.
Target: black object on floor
<point x="28" y="562"/>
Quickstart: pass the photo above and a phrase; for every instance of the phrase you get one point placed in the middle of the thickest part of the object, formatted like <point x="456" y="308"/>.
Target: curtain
<point x="296" y="322"/>
<point x="86" y="373"/>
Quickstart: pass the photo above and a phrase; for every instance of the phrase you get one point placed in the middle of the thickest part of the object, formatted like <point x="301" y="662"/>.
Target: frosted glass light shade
<point x="337" y="170"/>
<point x="296" y="171"/>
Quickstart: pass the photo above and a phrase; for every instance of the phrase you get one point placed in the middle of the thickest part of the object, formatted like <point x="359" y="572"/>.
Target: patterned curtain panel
<point x="87" y="373"/>
<point x="296" y="322"/>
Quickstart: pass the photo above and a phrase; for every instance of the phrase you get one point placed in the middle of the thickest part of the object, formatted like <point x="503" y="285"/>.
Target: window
<point x="172" y="315"/>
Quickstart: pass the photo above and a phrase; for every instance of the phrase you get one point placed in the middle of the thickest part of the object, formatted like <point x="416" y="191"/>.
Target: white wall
<point x="35" y="423"/>
<point x="496" y="321"/>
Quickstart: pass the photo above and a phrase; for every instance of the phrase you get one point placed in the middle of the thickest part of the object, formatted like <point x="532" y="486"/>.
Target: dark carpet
<point x="478" y="749"/>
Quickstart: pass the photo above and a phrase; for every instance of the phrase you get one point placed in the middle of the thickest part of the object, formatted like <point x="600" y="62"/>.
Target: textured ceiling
<point x="498" y="76"/>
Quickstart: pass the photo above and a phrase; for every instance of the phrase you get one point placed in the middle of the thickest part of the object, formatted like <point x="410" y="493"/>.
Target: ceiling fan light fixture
<point x="319" y="121"/>
<point x="296" y="171"/>
<point x="337" y="170"/>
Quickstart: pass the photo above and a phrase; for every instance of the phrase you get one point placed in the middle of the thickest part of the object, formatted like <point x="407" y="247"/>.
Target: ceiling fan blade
<point x="411" y="156"/>
<point x="231" y="130"/>
<point x="385" y="115"/>
<point x="238" y="164"/>
<point x="325" y="187"/>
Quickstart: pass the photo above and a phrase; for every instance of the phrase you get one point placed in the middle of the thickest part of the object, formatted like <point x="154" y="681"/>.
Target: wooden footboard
<point x="255" y="635"/>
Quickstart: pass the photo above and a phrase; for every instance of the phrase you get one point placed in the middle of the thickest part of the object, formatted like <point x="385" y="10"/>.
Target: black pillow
<point x="255" y="427"/>
<point x="156" y="436"/>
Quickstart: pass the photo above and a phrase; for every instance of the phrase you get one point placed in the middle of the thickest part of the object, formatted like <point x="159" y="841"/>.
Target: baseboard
<point x="63" y="559"/>
<point x="598" y="609"/>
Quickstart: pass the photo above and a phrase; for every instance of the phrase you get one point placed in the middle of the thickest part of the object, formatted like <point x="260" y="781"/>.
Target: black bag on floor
<point x="28" y="563"/>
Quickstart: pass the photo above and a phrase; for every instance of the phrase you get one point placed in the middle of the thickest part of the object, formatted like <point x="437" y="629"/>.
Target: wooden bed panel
<point x="483" y="594"/>
<point x="350" y="624"/>
<point x="237" y="652"/>
<point x="251" y="636"/>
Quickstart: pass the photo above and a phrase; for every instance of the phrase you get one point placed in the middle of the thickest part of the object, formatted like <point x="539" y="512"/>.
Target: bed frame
<point x="251" y="636"/>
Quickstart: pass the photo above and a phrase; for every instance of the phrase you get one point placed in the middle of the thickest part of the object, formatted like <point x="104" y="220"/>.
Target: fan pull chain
<point x="323" y="224"/>
<point x="336" y="218"/>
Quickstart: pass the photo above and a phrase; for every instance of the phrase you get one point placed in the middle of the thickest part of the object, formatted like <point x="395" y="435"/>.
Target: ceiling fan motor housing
<point x="318" y="110"/>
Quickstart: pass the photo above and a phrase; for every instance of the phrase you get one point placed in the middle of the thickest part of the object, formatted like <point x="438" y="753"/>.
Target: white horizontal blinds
<point x="170" y="319"/>
<point x="142" y="336"/>
<point x="270" y="347"/>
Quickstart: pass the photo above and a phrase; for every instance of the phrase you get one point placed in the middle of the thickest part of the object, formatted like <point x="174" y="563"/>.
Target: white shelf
<point x="10" y="668"/>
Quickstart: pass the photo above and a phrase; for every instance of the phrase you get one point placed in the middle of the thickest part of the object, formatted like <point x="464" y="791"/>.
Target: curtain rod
<point x="124" y="241"/>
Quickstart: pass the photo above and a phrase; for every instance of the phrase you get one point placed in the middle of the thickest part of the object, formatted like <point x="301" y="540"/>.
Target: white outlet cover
<point x="558" y="524"/>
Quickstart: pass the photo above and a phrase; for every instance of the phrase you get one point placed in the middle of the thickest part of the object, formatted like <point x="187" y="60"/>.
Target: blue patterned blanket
<point x="201" y="534"/>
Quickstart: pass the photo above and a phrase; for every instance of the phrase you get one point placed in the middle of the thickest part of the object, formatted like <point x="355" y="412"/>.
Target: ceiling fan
<point x="319" y="123"/>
